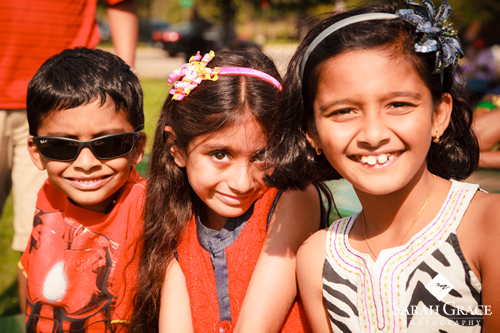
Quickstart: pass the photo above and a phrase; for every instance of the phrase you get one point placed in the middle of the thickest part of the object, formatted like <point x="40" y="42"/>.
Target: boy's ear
<point x="442" y="115"/>
<point x="139" y="149"/>
<point x="178" y="155"/>
<point x="37" y="159"/>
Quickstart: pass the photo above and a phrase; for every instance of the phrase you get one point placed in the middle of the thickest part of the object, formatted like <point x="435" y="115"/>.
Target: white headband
<point x="338" y="25"/>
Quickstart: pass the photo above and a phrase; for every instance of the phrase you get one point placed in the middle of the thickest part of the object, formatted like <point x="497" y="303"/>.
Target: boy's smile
<point x="90" y="182"/>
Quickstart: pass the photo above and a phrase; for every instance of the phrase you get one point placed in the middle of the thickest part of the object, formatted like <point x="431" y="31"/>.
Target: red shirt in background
<point x="31" y="31"/>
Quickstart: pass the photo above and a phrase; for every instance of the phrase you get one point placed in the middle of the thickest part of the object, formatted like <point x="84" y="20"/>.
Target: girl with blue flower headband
<point x="374" y="95"/>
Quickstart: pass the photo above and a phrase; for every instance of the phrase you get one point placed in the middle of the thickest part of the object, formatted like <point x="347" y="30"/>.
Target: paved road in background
<point x="154" y="63"/>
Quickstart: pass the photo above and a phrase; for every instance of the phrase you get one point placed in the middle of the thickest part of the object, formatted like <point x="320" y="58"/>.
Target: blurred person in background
<point x="196" y="40"/>
<point x="32" y="31"/>
<point x="487" y="128"/>
<point x="480" y="70"/>
<point x="485" y="67"/>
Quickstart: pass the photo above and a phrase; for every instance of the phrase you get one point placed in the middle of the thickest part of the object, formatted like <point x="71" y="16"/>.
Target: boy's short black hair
<point x="79" y="76"/>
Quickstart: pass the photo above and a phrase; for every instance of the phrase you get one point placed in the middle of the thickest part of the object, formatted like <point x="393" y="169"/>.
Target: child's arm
<point x="489" y="159"/>
<point x="22" y="282"/>
<point x="124" y="27"/>
<point x="175" y="312"/>
<point x="273" y="286"/>
<point x="310" y="261"/>
<point x="487" y="128"/>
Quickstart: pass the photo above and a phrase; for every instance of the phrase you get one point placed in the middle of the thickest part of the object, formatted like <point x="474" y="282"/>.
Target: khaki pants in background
<point x="18" y="172"/>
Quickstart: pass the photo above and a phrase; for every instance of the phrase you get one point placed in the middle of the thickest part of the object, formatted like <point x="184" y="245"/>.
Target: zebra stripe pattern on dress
<point x="393" y="293"/>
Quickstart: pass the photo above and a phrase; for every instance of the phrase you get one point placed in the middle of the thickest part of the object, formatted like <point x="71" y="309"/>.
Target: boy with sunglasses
<point x="85" y="111"/>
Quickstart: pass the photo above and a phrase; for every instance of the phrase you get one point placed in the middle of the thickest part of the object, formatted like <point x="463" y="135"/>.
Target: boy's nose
<point x="86" y="160"/>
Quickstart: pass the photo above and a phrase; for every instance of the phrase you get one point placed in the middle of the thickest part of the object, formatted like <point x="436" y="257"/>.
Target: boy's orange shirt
<point x="82" y="265"/>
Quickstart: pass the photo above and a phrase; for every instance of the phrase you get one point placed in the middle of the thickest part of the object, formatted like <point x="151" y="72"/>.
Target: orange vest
<point x="241" y="257"/>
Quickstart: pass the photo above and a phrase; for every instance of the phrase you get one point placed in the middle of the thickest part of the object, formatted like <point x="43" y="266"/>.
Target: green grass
<point x="9" y="304"/>
<point x="155" y="92"/>
<point x="154" y="95"/>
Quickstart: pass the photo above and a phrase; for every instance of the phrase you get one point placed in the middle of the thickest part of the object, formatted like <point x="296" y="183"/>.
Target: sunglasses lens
<point x="65" y="150"/>
<point x="58" y="149"/>
<point x="114" y="146"/>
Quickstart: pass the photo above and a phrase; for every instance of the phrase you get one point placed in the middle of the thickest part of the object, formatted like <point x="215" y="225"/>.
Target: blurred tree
<point x="228" y="13"/>
<point x="467" y="11"/>
<point x="464" y="11"/>
<point x="227" y="21"/>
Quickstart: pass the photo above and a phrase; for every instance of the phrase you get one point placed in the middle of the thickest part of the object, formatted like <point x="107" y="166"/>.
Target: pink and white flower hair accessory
<point x="195" y="71"/>
<point x="192" y="73"/>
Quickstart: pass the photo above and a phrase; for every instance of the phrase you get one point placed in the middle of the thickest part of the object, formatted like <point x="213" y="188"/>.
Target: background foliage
<point x="275" y="20"/>
<point x="464" y="11"/>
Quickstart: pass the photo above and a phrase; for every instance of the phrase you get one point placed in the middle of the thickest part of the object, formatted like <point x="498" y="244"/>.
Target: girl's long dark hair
<point x="210" y="107"/>
<point x="455" y="156"/>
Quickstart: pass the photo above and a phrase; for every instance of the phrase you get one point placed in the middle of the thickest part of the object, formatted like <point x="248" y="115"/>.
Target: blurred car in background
<point x="181" y="39"/>
<point x="147" y="27"/>
<point x="175" y="39"/>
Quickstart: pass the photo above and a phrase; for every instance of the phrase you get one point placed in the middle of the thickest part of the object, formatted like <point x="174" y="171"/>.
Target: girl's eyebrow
<point x="214" y="146"/>
<point x="404" y="94"/>
<point x="228" y="148"/>
<point x="342" y="101"/>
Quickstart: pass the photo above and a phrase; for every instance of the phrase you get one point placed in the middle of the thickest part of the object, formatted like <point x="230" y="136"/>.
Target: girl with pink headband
<point x="219" y="244"/>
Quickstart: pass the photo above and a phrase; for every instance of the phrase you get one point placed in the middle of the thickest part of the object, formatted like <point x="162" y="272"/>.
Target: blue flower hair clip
<point x="437" y="31"/>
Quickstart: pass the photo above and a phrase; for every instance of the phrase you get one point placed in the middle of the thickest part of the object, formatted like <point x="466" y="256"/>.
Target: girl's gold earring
<point x="436" y="139"/>
<point x="318" y="151"/>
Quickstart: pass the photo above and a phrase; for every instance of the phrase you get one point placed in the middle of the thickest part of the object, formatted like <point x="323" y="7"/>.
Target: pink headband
<point x="195" y="71"/>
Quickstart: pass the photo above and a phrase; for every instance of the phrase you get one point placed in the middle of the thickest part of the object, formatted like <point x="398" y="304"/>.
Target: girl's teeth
<point x="381" y="159"/>
<point x="88" y="182"/>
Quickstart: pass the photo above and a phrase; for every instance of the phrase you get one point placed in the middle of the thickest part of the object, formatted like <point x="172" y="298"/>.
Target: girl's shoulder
<point x="479" y="230"/>
<point x="312" y="253"/>
<point x="296" y="216"/>
<point x="316" y="240"/>
<point x="481" y="243"/>
<point x="299" y="207"/>
<point x="482" y="217"/>
<point x="484" y="209"/>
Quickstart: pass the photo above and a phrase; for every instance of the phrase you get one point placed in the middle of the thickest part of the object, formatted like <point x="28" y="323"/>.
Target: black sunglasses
<point x="104" y="148"/>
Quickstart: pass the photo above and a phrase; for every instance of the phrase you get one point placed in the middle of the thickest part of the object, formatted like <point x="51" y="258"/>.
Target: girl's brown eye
<point x="219" y="156"/>
<point x="399" y="104"/>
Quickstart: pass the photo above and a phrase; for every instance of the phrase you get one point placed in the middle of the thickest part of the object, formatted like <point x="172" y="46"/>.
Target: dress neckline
<point x="385" y="254"/>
